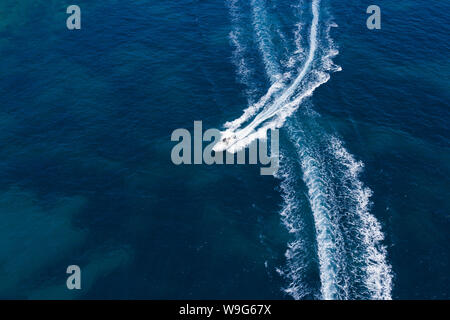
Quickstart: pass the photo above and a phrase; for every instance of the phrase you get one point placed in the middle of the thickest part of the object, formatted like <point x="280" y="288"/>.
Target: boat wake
<point x="340" y="238"/>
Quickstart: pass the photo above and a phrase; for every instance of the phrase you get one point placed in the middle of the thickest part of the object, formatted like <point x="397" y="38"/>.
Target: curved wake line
<point x="325" y="237"/>
<point x="298" y="254"/>
<point x="253" y="109"/>
<point x="265" y="44"/>
<point x="332" y="196"/>
<point x="240" y="50"/>
<point x="235" y="137"/>
<point x="279" y="82"/>
<point x="378" y="273"/>
<point x="339" y="199"/>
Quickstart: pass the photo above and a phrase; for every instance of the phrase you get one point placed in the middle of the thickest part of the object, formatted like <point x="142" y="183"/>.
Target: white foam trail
<point x="333" y="196"/>
<point x="348" y="258"/>
<point x="234" y="136"/>
<point x="296" y="254"/>
<point x="254" y="108"/>
<point x="279" y="82"/>
<point x="299" y="53"/>
<point x="244" y="72"/>
<point x="378" y="273"/>
<point x="238" y="142"/>
<point x="325" y="237"/>
<point x="264" y="36"/>
<point x="243" y="69"/>
<point x="283" y="106"/>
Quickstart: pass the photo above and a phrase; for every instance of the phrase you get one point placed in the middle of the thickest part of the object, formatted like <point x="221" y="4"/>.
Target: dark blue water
<point x="359" y="208"/>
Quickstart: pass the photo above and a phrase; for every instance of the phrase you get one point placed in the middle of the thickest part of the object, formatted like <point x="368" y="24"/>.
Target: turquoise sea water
<point x="359" y="208"/>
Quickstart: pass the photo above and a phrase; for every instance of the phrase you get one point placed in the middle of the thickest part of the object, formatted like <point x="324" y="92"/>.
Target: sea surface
<point x="358" y="209"/>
